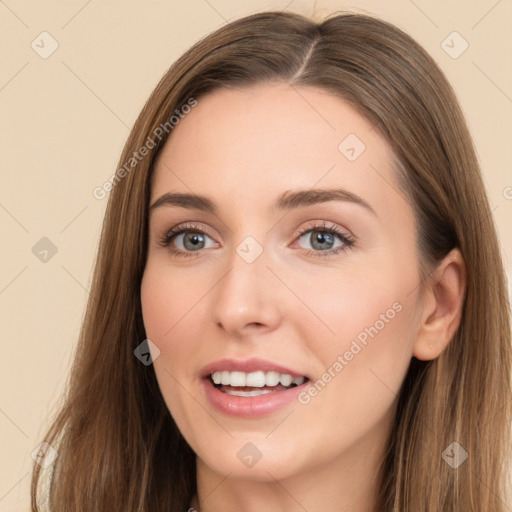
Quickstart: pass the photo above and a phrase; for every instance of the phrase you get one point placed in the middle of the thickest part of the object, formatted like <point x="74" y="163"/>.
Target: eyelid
<point x="184" y="227"/>
<point x="323" y="224"/>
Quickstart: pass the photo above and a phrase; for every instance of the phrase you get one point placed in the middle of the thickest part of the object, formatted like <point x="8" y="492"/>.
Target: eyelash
<point x="348" y="241"/>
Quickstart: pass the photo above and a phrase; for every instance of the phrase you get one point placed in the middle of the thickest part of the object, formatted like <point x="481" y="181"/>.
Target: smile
<point x="251" y="388"/>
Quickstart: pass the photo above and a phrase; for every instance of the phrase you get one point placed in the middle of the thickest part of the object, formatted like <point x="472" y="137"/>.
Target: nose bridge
<point x="244" y="296"/>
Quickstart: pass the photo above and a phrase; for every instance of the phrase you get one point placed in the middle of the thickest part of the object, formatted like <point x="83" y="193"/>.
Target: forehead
<point x="257" y="142"/>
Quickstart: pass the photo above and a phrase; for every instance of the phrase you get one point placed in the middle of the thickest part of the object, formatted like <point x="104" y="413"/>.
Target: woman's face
<point x="290" y="279"/>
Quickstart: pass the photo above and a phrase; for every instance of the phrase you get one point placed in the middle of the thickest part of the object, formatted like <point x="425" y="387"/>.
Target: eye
<point x="323" y="240"/>
<point x="184" y="240"/>
<point x="190" y="241"/>
<point x="317" y="240"/>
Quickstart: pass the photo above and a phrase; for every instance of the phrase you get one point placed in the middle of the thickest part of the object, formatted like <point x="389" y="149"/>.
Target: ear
<point x="442" y="307"/>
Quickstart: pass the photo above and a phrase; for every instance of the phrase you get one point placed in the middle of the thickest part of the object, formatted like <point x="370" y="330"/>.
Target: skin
<point x="293" y="306"/>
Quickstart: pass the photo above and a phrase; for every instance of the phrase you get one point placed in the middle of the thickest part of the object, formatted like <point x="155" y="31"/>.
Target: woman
<point x="298" y="302"/>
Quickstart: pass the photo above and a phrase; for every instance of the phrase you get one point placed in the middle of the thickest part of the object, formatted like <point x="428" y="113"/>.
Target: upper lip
<point x="247" y="366"/>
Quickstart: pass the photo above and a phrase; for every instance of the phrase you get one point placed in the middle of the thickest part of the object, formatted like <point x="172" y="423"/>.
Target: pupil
<point x="321" y="240"/>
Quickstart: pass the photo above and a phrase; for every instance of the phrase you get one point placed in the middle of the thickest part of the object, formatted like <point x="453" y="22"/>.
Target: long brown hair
<point x="119" y="448"/>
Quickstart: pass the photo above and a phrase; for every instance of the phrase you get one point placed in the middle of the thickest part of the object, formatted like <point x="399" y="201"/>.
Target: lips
<point x="250" y="388"/>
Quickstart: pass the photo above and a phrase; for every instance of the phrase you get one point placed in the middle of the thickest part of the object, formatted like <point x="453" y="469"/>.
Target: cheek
<point x="360" y="303"/>
<point x="366" y="341"/>
<point x="352" y="399"/>
<point x="168" y="300"/>
<point x="168" y="307"/>
<point x="172" y="304"/>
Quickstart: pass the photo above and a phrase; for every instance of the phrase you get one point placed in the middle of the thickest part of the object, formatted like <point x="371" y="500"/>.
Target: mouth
<point x="251" y="388"/>
<point x="254" y="383"/>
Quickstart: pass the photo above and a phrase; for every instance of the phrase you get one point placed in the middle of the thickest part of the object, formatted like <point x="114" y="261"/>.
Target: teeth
<point x="285" y="379"/>
<point x="272" y="378"/>
<point x="255" y="379"/>
<point x="237" y="379"/>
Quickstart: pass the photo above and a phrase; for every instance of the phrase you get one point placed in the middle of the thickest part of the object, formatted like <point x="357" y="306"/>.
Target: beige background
<point x="64" y="122"/>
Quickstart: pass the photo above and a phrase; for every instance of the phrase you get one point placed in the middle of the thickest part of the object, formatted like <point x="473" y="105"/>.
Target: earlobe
<point x="442" y="307"/>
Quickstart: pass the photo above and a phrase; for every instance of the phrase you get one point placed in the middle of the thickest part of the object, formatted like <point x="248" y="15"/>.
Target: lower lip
<point x="250" y="406"/>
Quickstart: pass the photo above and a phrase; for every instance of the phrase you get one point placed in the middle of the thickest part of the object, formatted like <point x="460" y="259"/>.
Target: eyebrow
<point x="286" y="201"/>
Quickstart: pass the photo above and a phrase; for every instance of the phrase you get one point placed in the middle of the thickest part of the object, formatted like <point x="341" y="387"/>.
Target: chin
<point x="254" y="458"/>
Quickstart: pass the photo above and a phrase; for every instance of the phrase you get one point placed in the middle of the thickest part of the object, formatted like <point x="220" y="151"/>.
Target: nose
<point x="247" y="298"/>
